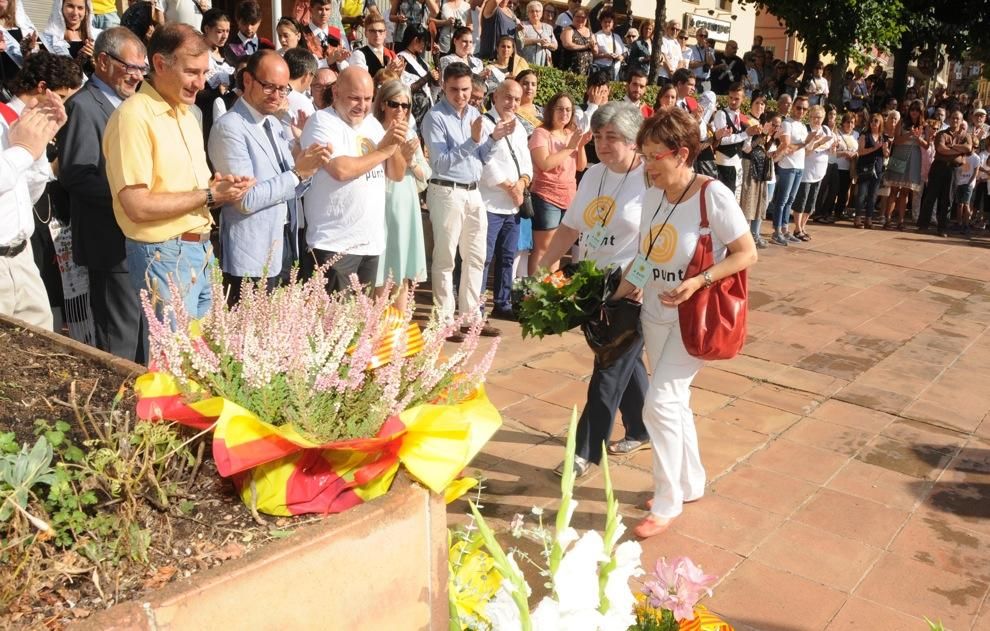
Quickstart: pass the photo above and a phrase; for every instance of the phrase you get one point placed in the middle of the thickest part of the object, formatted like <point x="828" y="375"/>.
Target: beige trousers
<point x="22" y="293"/>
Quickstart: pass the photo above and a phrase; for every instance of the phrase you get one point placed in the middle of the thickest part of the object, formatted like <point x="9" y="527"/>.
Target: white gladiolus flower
<point x="576" y="580"/>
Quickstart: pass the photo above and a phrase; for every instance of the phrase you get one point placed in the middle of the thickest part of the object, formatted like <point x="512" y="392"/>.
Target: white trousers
<point x="459" y="222"/>
<point x="677" y="472"/>
<point x="22" y="292"/>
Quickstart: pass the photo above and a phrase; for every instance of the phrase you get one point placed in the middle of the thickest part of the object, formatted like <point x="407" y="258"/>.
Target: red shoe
<point x="649" y="503"/>
<point x="652" y="526"/>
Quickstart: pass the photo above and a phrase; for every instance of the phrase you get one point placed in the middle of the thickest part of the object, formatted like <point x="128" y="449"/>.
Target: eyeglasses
<point x="375" y="30"/>
<point x="134" y="69"/>
<point x="799" y="108"/>
<point x="271" y="88"/>
<point x="396" y="105"/>
<point x="683" y="38"/>
<point x="656" y="157"/>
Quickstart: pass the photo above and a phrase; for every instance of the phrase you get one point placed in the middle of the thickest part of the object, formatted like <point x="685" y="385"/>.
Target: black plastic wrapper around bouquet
<point x="614" y="325"/>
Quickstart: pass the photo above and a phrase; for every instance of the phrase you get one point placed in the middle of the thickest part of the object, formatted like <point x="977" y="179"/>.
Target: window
<point x="725" y="5"/>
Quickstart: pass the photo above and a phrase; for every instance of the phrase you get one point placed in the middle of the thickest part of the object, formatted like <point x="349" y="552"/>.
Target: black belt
<point x="449" y="184"/>
<point x="10" y="251"/>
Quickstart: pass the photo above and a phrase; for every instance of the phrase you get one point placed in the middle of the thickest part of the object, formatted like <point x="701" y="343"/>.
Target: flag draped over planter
<point x="281" y="472"/>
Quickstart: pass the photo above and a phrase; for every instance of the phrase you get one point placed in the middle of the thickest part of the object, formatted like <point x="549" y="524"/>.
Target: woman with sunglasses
<point x="404" y="260"/>
<point x="668" y="236"/>
<point x="903" y="171"/>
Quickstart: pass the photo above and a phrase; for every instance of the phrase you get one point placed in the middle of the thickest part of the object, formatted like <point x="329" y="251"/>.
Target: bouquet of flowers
<point x="669" y="601"/>
<point x="315" y="399"/>
<point x="553" y="303"/>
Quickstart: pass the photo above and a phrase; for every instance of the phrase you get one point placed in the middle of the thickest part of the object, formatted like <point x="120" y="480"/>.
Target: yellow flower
<point x="473" y="579"/>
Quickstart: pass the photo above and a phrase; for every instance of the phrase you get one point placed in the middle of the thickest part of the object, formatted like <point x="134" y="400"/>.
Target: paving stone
<point x="930" y="538"/>
<point x="723" y="382"/>
<point x="852" y="415"/>
<point x="919" y="461"/>
<point x="755" y="417"/>
<point x="726" y="523"/>
<point x="921" y="590"/>
<point x="881" y="485"/>
<point x="799" y="461"/>
<point x="794" y="401"/>
<point x="764" y="489"/>
<point x="852" y="517"/>
<point x="712" y="559"/>
<point x="761" y="597"/>
<point x="858" y="614"/>
<point x="817" y="555"/>
<point x="824" y="435"/>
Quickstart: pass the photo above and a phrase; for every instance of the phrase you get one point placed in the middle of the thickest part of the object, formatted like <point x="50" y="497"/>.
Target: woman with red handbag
<point x="695" y="246"/>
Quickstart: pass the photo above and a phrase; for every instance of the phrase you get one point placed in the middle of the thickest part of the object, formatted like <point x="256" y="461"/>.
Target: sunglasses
<point x="396" y="105"/>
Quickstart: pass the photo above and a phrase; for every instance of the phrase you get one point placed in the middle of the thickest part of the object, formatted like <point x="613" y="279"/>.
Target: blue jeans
<point x="187" y="264"/>
<point x="788" y="181"/>
<point x="503" y="237"/>
<point x="106" y="20"/>
<point x="866" y="195"/>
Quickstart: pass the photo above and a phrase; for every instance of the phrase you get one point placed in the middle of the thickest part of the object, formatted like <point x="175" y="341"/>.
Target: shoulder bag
<point x="526" y="208"/>
<point x="713" y="320"/>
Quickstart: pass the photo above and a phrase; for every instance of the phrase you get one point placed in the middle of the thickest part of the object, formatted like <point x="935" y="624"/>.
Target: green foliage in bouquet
<point x="551" y="304"/>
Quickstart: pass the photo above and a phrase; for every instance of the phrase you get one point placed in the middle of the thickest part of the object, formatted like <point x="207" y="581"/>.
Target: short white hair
<point x="533" y="5"/>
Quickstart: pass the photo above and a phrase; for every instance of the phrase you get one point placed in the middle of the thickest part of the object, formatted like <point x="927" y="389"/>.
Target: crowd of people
<point x="182" y="137"/>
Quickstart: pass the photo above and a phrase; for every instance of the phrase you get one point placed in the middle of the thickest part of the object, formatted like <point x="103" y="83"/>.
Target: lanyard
<point x="615" y="201"/>
<point x="653" y="241"/>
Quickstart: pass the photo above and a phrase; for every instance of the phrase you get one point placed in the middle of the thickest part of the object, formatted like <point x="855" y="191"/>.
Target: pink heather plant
<point x="300" y="356"/>
<point x="678" y="586"/>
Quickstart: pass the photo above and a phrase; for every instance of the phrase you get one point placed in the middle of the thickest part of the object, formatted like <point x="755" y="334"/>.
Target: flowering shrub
<point x="332" y="366"/>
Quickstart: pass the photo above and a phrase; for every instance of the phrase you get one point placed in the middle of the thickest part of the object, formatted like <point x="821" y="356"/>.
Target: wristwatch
<point x="707" y="276"/>
<point x="210" y="202"/>
<point x="298" y="177"/>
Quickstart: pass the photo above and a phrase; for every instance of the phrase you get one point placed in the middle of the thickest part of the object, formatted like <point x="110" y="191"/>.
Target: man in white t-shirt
<point x="670" y="52"/>
<point x="504" y="179"/>
<point x="817" y="86"/>
<point x="345" y="205"/>
<point x="611" y="50"/>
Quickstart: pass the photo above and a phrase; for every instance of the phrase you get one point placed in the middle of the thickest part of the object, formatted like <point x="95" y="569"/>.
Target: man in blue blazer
<point x="97" y="242"/>
<point x="259" y="234"/>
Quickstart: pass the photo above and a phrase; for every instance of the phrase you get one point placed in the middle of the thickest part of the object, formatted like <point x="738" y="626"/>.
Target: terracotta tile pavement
<point x="847" y="448"/>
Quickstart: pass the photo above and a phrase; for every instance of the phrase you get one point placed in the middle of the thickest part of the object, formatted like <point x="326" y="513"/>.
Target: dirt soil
<point x="214" y="527"/>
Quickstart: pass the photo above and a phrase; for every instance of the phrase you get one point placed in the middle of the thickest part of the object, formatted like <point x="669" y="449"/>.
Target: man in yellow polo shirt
<point x="105" y="14"/>
<point x="160" y="182"/>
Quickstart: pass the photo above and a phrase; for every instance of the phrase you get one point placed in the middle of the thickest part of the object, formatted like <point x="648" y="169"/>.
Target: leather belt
<point x="10" y="251"/>
<point x="449" y="184"/>
<point x="194" y="237"/>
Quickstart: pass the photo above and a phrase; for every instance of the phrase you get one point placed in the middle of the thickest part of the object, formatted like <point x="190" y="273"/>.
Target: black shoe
<point x="504" y="314"/>
<point x="456" y="337"/>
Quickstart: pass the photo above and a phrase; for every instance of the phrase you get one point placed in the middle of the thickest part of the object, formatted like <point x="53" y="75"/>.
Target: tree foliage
<point x="842" y="28"/>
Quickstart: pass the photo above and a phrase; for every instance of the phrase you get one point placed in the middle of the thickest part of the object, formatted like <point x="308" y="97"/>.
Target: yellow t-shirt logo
<point x="600" y="209"/>
<point x="365" y="145"/>
<point x="664" y="243"/>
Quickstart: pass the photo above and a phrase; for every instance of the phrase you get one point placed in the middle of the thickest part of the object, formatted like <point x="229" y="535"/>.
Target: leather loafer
<point x="456" y="338"/>
<point x="504" y="314"/>
<point x="486" y="331"/>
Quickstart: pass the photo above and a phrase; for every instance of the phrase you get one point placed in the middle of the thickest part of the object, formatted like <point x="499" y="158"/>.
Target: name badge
<point x="596" y="236"/>
<point x="640" y="271"/>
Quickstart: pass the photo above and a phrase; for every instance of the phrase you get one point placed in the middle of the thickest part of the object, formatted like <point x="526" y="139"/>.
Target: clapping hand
<point x="476" y="130"/>
<point x="503" y="128"/>
<point x="312" y="159"/>
<point x="230" y="188"/>
<point x="397" y="65"/>
<point x="408" y="149"/>
<point x="87" y="49"/>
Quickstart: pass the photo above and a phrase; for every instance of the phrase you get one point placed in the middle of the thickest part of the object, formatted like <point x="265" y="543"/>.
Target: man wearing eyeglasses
<point x="373" y="56"/>
<point x="97" y="242"/>
<point x="259" y="235"/>
<point x="701" y="58"/>
<point x="159" y="179"/>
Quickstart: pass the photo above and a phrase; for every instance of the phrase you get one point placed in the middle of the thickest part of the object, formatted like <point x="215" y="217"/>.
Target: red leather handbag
<point x="713" y="320"/>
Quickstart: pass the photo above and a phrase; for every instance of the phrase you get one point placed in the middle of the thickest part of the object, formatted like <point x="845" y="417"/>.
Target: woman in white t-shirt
<point x="669" y="233"/>
<point x="605" y="215"/>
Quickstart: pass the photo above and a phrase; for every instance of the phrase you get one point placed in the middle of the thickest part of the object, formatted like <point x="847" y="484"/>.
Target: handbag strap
<point x="704" y="204"/>
<point x="508" y="144"/>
